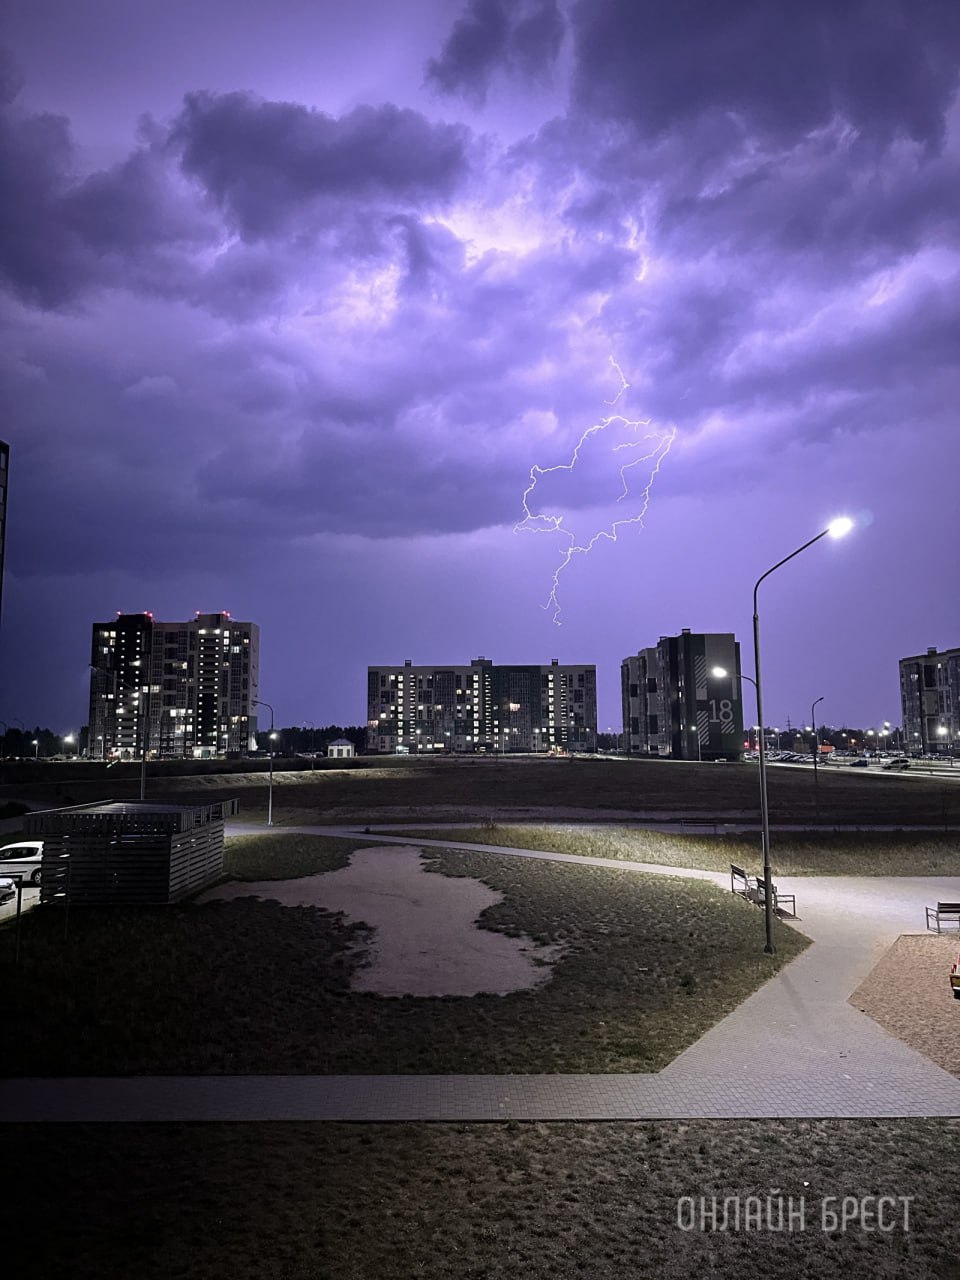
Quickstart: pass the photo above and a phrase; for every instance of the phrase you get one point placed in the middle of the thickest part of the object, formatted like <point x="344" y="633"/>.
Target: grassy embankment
<point x="405" y="789"/>
<point x="820" y="853"/>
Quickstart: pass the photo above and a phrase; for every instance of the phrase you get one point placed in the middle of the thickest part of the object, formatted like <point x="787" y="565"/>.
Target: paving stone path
<point x="794" y="1048"/>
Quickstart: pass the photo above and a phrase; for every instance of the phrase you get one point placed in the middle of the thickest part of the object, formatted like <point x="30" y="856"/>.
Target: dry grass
<point x="461" y="1202"/>
<point x="909" y="994"/>
<point x="850" y="853"/>
<point x="284" y="856"/>
<point x="250" y="986"/>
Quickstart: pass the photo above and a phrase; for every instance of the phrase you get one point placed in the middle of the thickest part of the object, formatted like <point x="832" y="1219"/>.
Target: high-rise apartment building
<point x="930" y="698"/>
<point x="175" y="688"/>
<point x="4" y="475"/>
<point x="673" y="704"/>
<point x="481" y="707"/>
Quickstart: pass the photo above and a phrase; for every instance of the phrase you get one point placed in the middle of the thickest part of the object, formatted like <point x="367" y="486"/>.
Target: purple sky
<point x="295" y="294"/>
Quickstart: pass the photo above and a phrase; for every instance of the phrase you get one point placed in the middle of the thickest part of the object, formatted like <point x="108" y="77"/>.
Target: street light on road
<point x="259" y="702"/>
<point x="721" y="673"/>
<point x="816" y="757"/>
<point x="836" y="529"/>
<point x="35" y="743"/>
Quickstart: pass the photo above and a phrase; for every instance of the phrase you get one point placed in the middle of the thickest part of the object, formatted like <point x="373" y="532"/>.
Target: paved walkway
<point x="794" y="1048"/>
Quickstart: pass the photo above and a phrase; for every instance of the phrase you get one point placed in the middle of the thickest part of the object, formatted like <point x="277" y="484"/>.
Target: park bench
<point x="743" y="884"/>
<point x="754" y="890"/>
<point x="779" y="899"/>
<point x="941" y="912"/>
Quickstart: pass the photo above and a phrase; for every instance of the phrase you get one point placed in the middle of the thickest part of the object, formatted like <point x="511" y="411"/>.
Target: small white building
<point x="341" y="749"/>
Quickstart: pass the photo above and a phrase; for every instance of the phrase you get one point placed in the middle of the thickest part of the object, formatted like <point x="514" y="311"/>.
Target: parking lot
<point x="31" y="896"/>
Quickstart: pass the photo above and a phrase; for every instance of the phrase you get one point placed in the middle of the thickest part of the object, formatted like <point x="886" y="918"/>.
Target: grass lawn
<point x="250" y="986"/>
<point x="458" y="1202"/>
<point x="814" y="853"/>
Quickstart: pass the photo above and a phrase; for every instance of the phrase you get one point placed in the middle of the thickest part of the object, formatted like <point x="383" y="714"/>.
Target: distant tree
<point x="298" y="739"/>
<point x="19" y="742"/>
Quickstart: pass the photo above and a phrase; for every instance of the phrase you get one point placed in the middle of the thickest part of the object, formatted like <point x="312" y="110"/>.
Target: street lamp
<point x="816" y="758"/>
<point x="721" y="673"/>
<point x="142" y="695"/>
<point x="35" y="743"/>
<point x="696" y="729"/>
<point x="69" y="739"/>
<point x="836" y="529"/>
<point x="259" y="702"/>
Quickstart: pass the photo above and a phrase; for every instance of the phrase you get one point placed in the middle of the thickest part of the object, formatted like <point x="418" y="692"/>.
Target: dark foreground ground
<point x="445" y="1202"/>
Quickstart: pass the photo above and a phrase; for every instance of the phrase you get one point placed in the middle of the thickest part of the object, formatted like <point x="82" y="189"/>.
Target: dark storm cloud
<point x="433" y="254"/>
<point x="429" y="297"/>
<point x="39" y="256"/>
<point x="61" y="235"/>
<point x="888" y="67"/>
<point x="336" y="479"/>
<point x="274" y="169"/>
<point x="132" y="208"/>
<point x="11" y="77"/>
<point x="822" y="207"/>
<point x="497" y="35"/>
<point x="267" y="163"/>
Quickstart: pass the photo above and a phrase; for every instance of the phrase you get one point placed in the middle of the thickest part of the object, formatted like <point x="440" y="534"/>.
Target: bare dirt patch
<point x="427" y="940"/>
<point x="908" y="993"/>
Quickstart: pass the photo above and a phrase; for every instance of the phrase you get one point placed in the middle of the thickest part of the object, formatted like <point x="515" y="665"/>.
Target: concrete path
<point x="794" y="1048"/>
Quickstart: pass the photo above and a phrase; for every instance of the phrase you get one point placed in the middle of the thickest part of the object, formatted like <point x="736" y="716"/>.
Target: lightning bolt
<point x="657" y="444"/>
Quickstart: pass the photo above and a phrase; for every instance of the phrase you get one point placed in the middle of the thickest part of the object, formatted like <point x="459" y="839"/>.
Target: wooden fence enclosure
<point x="130" y="853"/>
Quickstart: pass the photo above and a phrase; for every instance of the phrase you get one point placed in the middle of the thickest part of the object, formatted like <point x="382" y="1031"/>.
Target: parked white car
<point x="23" y="858"/>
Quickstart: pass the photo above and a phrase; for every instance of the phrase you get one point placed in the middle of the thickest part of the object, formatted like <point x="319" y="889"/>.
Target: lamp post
<point x="142" y="696"/>
<point x="69" y="739"/>
<point x="143" y="704"/>
<point x="696" y="729"/>
<point x="35" y="743"/>
<point x="816" y="758"/>
<point x="259" y="702"/>
<point x="836" y="529"/>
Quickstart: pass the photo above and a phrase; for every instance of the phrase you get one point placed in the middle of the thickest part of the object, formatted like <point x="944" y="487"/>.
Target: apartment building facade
<point x="930" y="700"/>
<point x="176" y="689"/>
<point x="481" y="707"/>
<point x="673" y="703"/>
